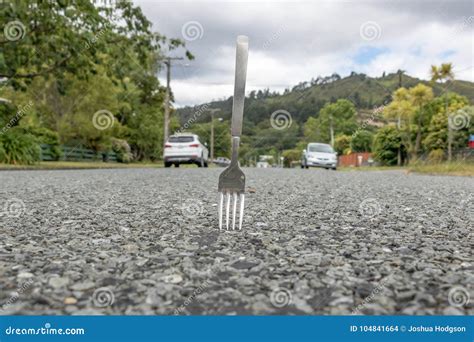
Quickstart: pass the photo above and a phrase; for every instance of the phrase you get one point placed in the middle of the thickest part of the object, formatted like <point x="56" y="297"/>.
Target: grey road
<point x="146" y="241"/>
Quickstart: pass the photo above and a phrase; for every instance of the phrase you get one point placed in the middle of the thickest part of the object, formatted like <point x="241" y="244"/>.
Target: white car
<point x="319" y="155"/>
<point x="185" y="149"/>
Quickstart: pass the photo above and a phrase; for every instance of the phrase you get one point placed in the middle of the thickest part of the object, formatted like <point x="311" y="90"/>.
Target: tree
<point x="400" y="109"/>
<point x="342" y="144"/>
<point x="444" y="73"/>
<point x="438" y="129"/>
<point x="72" y="59"/>
<point x="362" y="141"/>
<point x="420" y="96"/>
<point x="334" y="118"/>
<point x="387" y="142"/>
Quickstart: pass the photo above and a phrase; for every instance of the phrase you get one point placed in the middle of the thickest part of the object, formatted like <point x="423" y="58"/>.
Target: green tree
<point x="342" y="144"/>
<point x="362" y="141"/>
<point x="444" y="73"/>
<point x="387" y="142"/>
<point x="438" y="131"/>
<point x="334" y="118"/>
<point x="401" y="109"/>
<point x="420" y="96"/>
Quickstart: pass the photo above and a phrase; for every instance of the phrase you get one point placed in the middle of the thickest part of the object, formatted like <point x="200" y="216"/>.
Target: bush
<point x="122" y="149"/>
<point x="46" y="136"/>
<point x="436" y="156"/>
<point x="362" y="141"/>
<point x="2" y="153"/>
<point x="291" y="156"/>
<point x="19" y="147"/>
<point x="386" y="144"/>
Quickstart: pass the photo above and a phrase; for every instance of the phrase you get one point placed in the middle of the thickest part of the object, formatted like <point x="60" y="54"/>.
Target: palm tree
<point x="444" y="73"/>
<point x="420" y="95"/>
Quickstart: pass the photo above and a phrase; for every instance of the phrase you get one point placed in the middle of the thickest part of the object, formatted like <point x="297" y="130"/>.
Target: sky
<point x="295" y="41"/>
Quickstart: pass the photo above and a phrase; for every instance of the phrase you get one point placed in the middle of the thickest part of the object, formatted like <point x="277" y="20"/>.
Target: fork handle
<point x="235" y="151"/>
<point x="242" y="52"/>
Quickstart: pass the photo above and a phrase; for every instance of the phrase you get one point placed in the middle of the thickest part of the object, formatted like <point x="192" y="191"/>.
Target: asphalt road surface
<point x="146" y="241"/>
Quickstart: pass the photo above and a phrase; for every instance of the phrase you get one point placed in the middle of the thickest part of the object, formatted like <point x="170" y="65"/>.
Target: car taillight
<point x="168" y="145"/>
<point x="194" y="145"/>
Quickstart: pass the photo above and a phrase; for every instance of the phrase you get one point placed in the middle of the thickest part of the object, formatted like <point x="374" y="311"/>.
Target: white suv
<point x="185" y="149"/>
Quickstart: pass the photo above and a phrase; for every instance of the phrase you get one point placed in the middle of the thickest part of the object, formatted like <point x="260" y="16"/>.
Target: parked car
<point x="222" y="161"/>
<point x="319" y="155"/>
<point x="185" y="149"/>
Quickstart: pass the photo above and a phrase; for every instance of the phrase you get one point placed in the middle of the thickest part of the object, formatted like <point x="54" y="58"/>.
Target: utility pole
<point x="212" y="111"/>
<point x="331" y="129"/>
<point x="167" y="96"/>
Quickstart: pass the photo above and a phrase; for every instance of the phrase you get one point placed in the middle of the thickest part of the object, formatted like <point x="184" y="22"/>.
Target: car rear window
<point x="181" y="139"/>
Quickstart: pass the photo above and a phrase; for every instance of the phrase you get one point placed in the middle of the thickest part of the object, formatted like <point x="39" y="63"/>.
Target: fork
<point x="232" y="179"/>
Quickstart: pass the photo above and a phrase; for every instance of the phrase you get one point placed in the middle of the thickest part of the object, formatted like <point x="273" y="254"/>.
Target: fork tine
<point x="234" y="211"/>
<point x="241" y="214"/>
<point x="221" y="206"/>
<point x="227" y="211"/>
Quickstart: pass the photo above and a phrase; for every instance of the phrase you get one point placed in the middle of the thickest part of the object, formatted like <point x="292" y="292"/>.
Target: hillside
<point x="307" y="98"/>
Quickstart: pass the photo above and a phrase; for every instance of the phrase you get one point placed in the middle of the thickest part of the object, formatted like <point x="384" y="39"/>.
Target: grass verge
<point x="451" y="169"/>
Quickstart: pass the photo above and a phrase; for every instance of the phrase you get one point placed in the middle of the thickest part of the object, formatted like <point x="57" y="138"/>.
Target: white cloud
<point x="292" y="42"/>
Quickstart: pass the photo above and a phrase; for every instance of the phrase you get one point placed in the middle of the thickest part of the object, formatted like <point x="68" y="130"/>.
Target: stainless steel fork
<point x="232" y="179"/>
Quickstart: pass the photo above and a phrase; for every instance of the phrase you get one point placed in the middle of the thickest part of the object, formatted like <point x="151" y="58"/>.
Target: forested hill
<point x="307" y="98"/>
